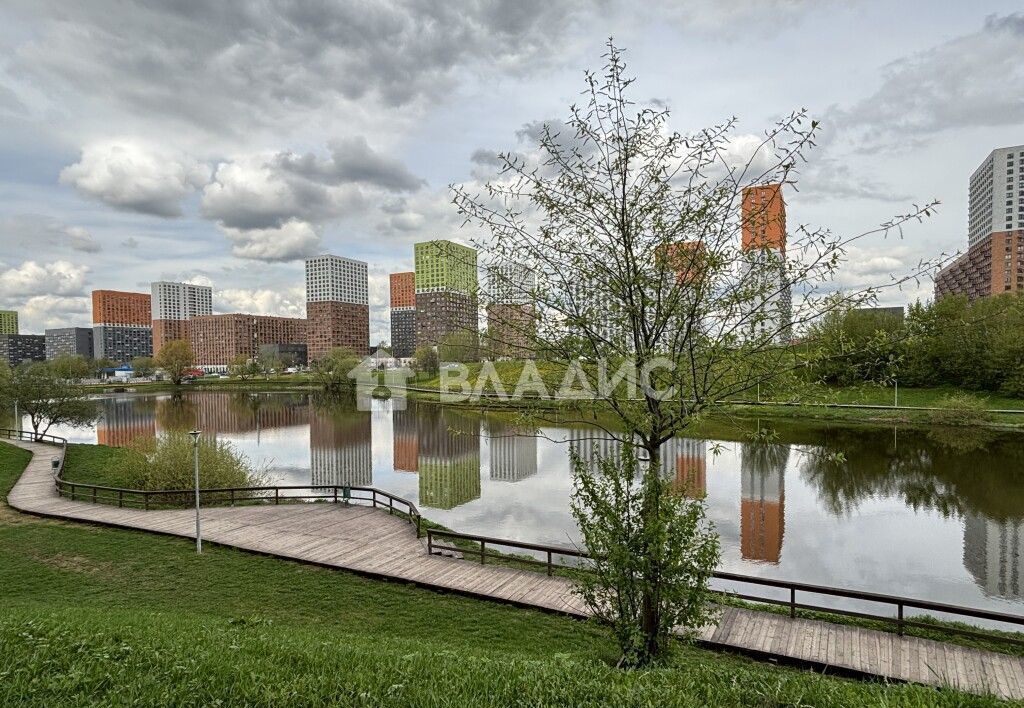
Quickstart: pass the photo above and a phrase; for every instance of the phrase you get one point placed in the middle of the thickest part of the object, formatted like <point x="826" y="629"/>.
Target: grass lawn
<point x="112" y="617"/>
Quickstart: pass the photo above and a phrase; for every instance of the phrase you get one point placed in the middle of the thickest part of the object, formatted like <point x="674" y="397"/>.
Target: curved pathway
<point x="372" y="542"/>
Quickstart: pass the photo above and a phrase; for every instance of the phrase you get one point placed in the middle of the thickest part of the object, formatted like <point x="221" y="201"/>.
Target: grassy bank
<point x="104" y="616"/>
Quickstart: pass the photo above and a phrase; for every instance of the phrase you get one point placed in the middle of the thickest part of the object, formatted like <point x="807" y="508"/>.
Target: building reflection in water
<point x="123" y="420"/>
<point x="594" y="444"/>
<point x="448" y="458"/>
<point x="993" y="551"/>
<point x="340" y="448"/>
<point x="684" y="461"/>
<point x="513" y="451"/>
<point x="406" y="445"/>
<point x="762" y="501"/>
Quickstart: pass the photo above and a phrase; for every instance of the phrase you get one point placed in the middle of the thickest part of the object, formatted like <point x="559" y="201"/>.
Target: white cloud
<point x="283" y="302"/>
<point x="33" y="231"/>
<point x="32" y="278"/>
<point x="133" y="176"/>
<point x="42" y="312"/>
<point x="291" y="241"/>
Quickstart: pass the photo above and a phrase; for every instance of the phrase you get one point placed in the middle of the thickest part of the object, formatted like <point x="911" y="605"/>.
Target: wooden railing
<point x="552" y="556"/>
<point x="217" y="496"/>
<point x="486" y="548"/>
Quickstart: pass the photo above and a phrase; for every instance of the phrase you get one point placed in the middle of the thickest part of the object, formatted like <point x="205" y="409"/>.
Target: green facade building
<point x="8" y="322"/>
<point x="445" y="266"/>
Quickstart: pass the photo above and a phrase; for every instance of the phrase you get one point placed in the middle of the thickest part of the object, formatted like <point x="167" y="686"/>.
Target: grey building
<point x="403" y="332"/>
<point x="121" y="343"/>
<point x="292" y="354"/>
<point x="72" y="341"/>
<point x="16" y="348"/>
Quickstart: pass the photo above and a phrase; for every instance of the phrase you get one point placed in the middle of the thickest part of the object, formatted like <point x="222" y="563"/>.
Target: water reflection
<point x="937" y="514"/>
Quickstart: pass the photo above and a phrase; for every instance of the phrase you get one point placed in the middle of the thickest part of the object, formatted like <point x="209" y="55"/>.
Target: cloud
<point x="292" y="240"/>
<point x="41" y="312"/>
<point x="32" y="278"/>
<point x="283" y="302"/>
<point x="131" y="176"/>
<point x="352" y="161"/>
<point x="974" y="80"/>
<point x="229" y="67"/>
<point x="33" y="231"/>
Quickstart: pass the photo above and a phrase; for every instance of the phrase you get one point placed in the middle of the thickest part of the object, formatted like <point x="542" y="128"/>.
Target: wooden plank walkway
<point x="372" y="542"/>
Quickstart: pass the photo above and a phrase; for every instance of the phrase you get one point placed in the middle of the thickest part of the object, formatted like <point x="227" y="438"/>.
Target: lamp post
<point x="195" y="447"/>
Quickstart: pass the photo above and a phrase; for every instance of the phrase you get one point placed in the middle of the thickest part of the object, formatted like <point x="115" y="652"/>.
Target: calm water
<point x="936" y="515"/>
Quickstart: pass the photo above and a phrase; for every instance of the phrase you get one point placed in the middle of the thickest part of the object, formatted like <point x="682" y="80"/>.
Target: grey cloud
<point x="974" y="80"/>
<point x="35" y="231"/>
<point x="488" y="158"/>
<point x="229" y="66"/>
<point x="352" y="161"/>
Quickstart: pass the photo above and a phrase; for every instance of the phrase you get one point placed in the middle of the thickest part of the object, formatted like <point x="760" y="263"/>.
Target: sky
<point x="223" y="143"/>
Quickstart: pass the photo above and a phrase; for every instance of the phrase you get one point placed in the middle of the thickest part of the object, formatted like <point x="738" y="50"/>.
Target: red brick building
<point x="114" y="307"/>
<point x="218" y="339"/>
<point x="337" y="324"/>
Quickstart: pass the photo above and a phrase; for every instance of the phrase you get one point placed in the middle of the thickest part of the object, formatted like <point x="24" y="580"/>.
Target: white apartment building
<point x="336" y="279"/>
<point x="996" y="195"/>
<point x="180" y="301"/>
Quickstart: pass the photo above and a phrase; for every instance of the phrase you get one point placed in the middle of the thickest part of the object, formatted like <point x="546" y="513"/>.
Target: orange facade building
<point x="114" y="307"/>
<point x="764" y="218"/>
<point x="403" y="289"/>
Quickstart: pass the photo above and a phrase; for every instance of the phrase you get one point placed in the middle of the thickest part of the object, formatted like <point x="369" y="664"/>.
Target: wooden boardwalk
<point x="372" y="542"/>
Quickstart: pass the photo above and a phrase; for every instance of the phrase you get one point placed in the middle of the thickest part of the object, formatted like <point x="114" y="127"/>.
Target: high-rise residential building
<point x="684" y="462"/>
<point x="446" y="292"/>
<point x="513" y="451"/>
<point x="406" y="441"/>
<point x="511" y="311"/>
<point x="16" y="348"/>
<point x="448" y="460"/>
<point x="8" y="322"/>
<point x="216" y="340"/>
<point x="340" y="451"/>
<point x="337" y="305"/>
<point x="69" y="341"/>
<point x="173" y="305"/>
<point x="769" y="314"/>
<point x="122" y="325"/>
<point x="994" y="262"/>
<point x="403" y="314"/>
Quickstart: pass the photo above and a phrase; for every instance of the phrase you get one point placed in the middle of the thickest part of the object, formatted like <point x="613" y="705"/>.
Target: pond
<point x="933" y="514"/>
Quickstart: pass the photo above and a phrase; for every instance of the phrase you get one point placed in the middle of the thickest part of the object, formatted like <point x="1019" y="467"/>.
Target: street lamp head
<point x="195" y="435"/>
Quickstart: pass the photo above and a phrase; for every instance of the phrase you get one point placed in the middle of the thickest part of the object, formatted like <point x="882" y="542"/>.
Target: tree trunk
<point x="650" y="612"/>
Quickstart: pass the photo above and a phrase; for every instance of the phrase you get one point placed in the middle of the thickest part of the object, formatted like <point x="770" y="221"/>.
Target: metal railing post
<point x="792" y="602"/>
<point x="483" y="552"/>
<point x="899" y="621"/>
<point x="277" y="495"/>
<point x="550" y="569"/>
<point x="430" y="543"/>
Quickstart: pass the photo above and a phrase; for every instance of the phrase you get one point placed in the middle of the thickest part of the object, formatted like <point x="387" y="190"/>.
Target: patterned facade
<point x="337" y="305"/>
<point x="403" y="314"/>
<point x="763" y="223"/>
<point x="446" y="292"/>
<point x="122" y="343"/>
<point x="445" y="265"/>
<point x="16" y="348"/>
<point x="440" y="314"/>
<point x="337" y="324"/>
<point x="114" y="307"/>
<point x="340" y="450"/>
<point x="512" y="330"/>
<point x="218" y="339"/>
<point x="994" y="262"/>
<point x="449" y="459"/>
<point x="8" y="322"/>
<point x="69" y="341"/>
<point x="763" y="501"/>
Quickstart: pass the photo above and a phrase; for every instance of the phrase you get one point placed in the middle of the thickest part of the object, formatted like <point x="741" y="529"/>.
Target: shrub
<point x="167" y="463"/>
<point x="960" y="409"/>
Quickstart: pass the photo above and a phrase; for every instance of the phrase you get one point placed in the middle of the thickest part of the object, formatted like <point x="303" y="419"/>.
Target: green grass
<point x="104" y="616"/>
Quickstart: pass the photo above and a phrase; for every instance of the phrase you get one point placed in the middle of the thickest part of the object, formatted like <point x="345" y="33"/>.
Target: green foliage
<point x="46" y="398"/>
<point x="960" y="409"/>
<point x="71" y="367"/>
<point x="427" y="361"/>
<point x="459" y="347"/>
<point x="143" y="366"/>
<point x="654" y="554"/>
<point x="856" y="346"/>
<point x="332" y="371"/>
<point x="167" y="463"/>
<point x="175" y="358"/>
<point x="243" y="367"/>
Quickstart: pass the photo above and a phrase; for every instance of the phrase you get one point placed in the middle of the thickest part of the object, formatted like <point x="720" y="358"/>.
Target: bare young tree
<point x="665" y="259"/>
